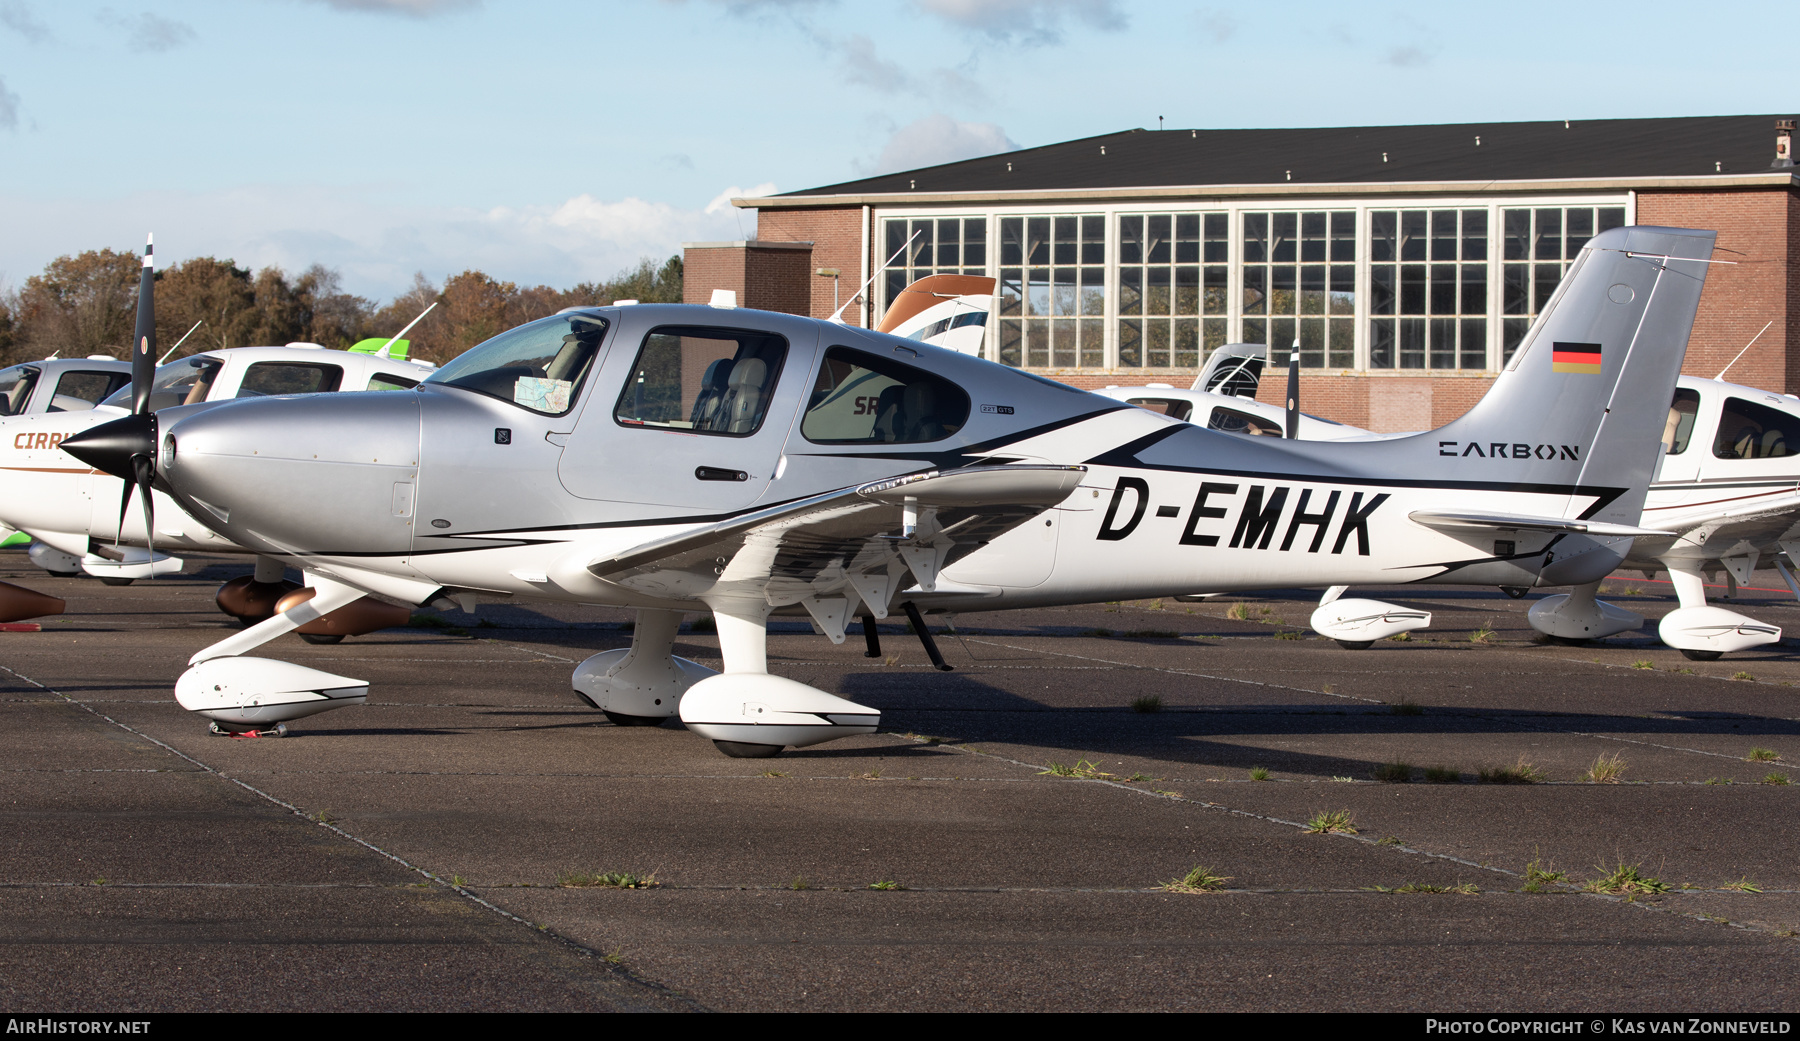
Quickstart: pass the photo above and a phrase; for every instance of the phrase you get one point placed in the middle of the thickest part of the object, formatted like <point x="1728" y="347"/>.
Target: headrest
<point x="749" y="372"/>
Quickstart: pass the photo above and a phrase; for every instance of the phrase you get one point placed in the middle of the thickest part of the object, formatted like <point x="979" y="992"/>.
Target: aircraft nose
<point x="323" y="473"/>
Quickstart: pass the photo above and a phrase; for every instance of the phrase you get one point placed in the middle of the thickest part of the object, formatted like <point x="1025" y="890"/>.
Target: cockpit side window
<point x="1748" y="430"/>
<point x="703" y="380"/>
<point x="1177" y="407"/>
<point x="538" y="366"/>
<point x="391" y="381"/>
<point x="864" y="398"/>
<point x="1680" y="427"/>
<point x="79" y="389"/>
<point x="16" y="385"/>
<point x="1232" y="421"/>
<point x="267" y="378"/>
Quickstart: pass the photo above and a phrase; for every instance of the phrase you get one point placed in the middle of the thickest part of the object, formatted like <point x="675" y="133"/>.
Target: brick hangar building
<point x="1408" y="261"/>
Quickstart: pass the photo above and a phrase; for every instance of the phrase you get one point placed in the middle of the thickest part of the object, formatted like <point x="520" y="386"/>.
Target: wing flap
<point x="1458" y="522"/>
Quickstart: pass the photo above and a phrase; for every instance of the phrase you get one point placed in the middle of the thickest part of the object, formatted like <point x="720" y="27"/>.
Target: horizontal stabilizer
<point x="1446" y="521"/>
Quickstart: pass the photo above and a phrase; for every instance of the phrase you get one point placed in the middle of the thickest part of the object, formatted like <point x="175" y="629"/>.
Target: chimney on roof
<point x="1784" y="144"/>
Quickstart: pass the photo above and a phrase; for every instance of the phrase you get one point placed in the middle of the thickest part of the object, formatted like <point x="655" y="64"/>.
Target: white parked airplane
<point x="677" y="458"/>
<point x="71" y="512"/>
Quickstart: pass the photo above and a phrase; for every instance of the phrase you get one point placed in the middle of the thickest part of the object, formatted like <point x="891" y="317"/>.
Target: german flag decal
<point x="1575" y="357"/>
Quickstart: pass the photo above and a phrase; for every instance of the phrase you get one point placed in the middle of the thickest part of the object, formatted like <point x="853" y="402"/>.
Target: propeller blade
<point x="124" y="508"/>
<point x="143" y="337"/>
<point x="146" y="476"/>
<point x="1293" y="392"/>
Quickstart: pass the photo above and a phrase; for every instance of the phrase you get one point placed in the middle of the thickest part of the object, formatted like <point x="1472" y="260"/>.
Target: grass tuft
<point x="1238" y="612"/>
<point x="799" y="883"/>
<point x="1773" y="777"/>
<point x="1289" y="634"/>
<point x="606" y="880"/>
<point x="1624" y="878"/>
<point x="1607" y="769"/>
<point x="1742" y="676"/>
<point x="1401" y="637"/>
<point x="1460" y="889"/>
<point x="1521" y="772"/>
<point x="888" y="886"/>
<point x="1643" y="663"/>
<point x="1259" y="773"/>
<point x="1083" y="769"/>
<point x="1483" y="635"/>
<point x="1762" y="755"/>
<point x="1394" y="773"/>
<point x="1442" y="775"/>
<point x="1198" y="880"/>
<point x="1390" y="840"/>
<point x="1742" y="885"/>
<point x="776" y="773"/>
<point x="1147" y="703"/>
<point x="1406" y="706"/>
<point x="1327" y="821"/>
<point x="1539" y="874"/>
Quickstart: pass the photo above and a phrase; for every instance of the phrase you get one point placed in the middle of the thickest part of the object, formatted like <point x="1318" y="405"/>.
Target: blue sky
<point x="558" y="142"/>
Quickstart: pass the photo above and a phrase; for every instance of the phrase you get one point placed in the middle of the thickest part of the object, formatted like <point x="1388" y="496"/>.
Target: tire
<point x="1565" y="641"/>
<point x="321" y="638"/>
<point x="113" y="581"/>
<point x="1701" y="655"/>
<point x="1356" y="645"/>
<point x="64" y="574"/>
<point x="742" y="750"/>
<point x="620" y="719"/>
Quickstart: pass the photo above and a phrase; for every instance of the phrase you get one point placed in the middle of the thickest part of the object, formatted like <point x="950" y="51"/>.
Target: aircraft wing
<point x="1753" y="520"/>
<point x="1459" y="522"/>
<point x="829" y="552"/>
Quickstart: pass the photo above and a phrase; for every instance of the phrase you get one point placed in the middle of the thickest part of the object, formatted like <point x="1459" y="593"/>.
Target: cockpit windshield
<point x="539" y="366"/>
<point x="184" y="382"/>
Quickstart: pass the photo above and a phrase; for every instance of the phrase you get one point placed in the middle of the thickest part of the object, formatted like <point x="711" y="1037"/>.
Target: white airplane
<point x="1727" y="488"/>
<point x="673" y="458"/>
<point x="948" y="311"/>
<point x="70" y="512"/>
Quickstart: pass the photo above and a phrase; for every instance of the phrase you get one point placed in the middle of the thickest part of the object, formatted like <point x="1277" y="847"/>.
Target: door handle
<point x="714" y="473"/>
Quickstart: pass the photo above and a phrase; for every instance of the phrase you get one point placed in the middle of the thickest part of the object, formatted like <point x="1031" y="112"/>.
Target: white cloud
<point x="721" y="203"/>
<point x="148" y="31"/>
<point x="375" y="243"/>
<point x="938" y="139"/>
<point x="9" y="108"/>
<point x="1031" y="21"/>
<point x="405" y="8"/>
<point x="20" y="18"/>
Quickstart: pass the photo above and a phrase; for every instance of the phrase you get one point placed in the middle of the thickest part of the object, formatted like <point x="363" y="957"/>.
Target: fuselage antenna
<point x="383" y="353"/>
<point x="1720" y="378"/>
<point x="171" y="351"/>
<point x="838" y="315"/>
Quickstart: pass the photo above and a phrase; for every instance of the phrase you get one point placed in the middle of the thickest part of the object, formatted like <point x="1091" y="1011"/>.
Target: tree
<point x="80" y="305"/>
<point x="217" y="292"/>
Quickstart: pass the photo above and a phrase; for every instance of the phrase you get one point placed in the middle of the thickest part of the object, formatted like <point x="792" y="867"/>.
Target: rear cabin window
<point x="289" y="377"/>
<point x="78" y="390"/>
<point x="1232" y="421"/>
<point x="1680" y="428"/>
<point x="864" y="398"/>
<point x="389" y="381"/>
<point x="703" y="380"/>
<point x="1167" y="406"/>
<point x="1748" y="430"/>
<point x="16" y="384"/>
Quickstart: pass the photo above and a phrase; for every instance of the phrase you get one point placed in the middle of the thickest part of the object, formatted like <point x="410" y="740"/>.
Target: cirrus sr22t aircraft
<point x="674" y="458"/>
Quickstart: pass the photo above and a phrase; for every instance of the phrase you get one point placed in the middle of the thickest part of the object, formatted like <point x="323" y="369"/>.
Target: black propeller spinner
<point x="126" y="448"/>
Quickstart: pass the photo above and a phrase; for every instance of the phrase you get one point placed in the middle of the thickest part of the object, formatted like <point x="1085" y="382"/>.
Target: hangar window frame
<point x="1239" y="324"/>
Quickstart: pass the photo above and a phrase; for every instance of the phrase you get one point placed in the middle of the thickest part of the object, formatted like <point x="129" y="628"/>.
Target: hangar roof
<point x="1605" y="149"/>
